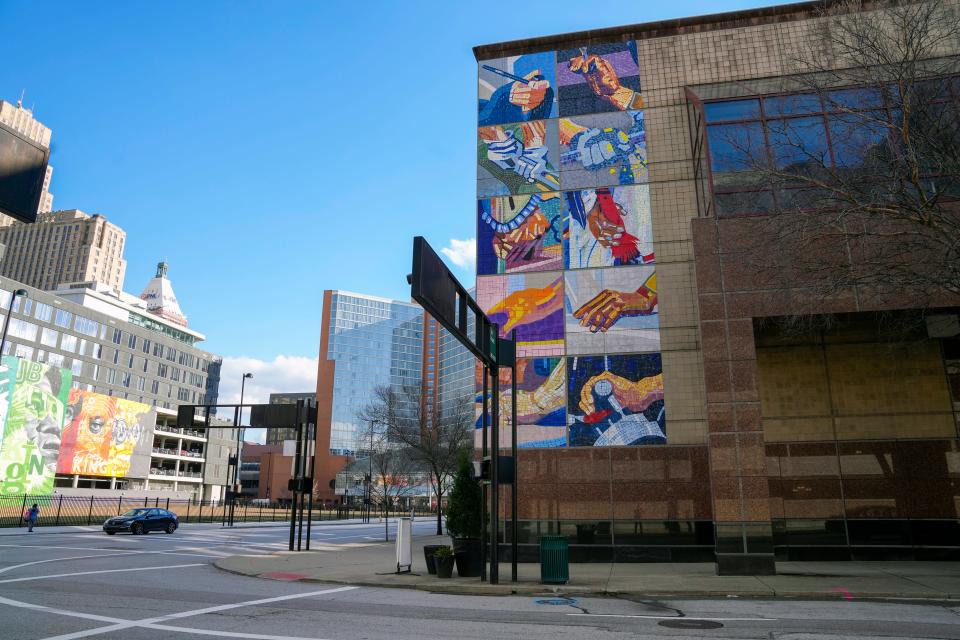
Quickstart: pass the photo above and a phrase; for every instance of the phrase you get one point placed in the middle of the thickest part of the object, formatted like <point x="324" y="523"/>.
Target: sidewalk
<point x="374" y="565"/>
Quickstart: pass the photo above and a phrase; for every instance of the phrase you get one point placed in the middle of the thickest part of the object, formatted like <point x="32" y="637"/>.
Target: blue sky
<point x="269" y="151"/>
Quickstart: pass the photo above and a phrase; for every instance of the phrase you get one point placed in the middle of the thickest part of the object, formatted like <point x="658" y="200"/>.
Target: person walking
<point x="32" y="514"/>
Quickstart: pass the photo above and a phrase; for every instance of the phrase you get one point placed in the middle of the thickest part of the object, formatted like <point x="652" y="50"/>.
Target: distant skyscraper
<point x="64" y="247"/>
<point x="277" y="436"/>
<point x="21" y="120"/>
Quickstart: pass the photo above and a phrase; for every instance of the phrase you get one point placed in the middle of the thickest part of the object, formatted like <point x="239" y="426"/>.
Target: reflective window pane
<point x="799" y="145"/>
<point x="844" y="99"/>
<point x="736" y="151"/>
<point x="732" y="110"/>
<point x="859" y="139"/>
<point x="792" y="105"/>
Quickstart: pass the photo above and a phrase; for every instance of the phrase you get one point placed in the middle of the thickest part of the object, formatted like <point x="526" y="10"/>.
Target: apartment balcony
<point x="190" y="476"/>
<point x="195" y="435"/>
<point x="163" y="473"/>
<point x="174" y="454"/>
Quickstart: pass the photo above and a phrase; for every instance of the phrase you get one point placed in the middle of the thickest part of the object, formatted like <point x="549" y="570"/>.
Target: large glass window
<point x="23" y="329"/>
<point x="43" y="312"/>
<point x="68" y="343"/>
<point x="86" y="326"/>
<point x="48" y="337"/>
<point x="62" y="318"/>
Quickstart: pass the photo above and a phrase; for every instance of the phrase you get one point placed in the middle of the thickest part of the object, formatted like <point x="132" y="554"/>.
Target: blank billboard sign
<point x="23" y="167"/>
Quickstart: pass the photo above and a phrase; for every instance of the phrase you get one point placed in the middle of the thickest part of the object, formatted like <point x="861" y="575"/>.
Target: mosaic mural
<point x="603" y="149"/>
<point x="519" y="233"/>
<point x="531" y="303"/>
<point x="541" y="403"/>
<point x="607" y="227"/>
<point x="615" y="400"/>
<point x="565" y="253"/>
<point x="517" y="89"/>
<point x="611" y="310"/>
<point x="599" y="78"/>
<point x="517" y="158"/>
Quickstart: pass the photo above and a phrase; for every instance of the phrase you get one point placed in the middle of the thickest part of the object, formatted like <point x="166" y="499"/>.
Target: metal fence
<point x="84" y="511"/>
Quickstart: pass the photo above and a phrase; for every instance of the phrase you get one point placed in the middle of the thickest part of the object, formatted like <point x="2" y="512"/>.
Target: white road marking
<point x="88" y="573"/>
<point x="156" y="622"/>
<point x="623" y="615"/>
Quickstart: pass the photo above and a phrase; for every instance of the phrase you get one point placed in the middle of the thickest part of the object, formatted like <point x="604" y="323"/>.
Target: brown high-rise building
<point x="64" y="247"/>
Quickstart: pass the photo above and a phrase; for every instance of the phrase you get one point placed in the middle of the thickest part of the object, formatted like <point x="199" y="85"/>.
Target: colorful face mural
<point x="103" y="434"/>
<point x="611" y="310"/>
<point x="603" y="149"/>
<point x="517" y="89"/>
<point x="531" y="304"/>
<point x="519" y="233"/>
<point x="31" y="436"/>
<point x="517" y="159"/>
<point x="607" y="227"/>
<point x="595" y="79"/>
<point x="615" y="400"/>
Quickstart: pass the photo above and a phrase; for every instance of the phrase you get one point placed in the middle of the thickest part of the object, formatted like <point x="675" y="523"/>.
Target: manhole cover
<point x="556" y="601"/>
<point x="690" y="624"/>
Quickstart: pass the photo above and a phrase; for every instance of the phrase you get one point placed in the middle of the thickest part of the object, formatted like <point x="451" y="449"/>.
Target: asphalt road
<point x="88" y="585"/>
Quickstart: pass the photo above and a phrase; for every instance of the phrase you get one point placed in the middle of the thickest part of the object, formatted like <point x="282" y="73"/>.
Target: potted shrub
<point x="428" y="551"/>
<point x="443" y="559"/>
<point x="465" y="520"/>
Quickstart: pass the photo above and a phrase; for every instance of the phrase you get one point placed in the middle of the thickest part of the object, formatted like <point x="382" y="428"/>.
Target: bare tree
<point x="393" y="469"/>
<point x="434" y="437"/>
<point x="858" y="164"/>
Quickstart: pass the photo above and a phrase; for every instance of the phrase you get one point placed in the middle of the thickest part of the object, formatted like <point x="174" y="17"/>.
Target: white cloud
<point x="462" y="253"/>
<point x="284" y="374"/>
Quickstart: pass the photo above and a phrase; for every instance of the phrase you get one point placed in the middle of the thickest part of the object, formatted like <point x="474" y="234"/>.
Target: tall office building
<point x="624" y="203"/>
<point x="20" y="119"/>
<point x="365" y="342"/>
<point x="64" y="247"/>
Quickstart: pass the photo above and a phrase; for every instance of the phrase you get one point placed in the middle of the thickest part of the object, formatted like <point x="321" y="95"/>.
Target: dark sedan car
<point x="138" y="521"/>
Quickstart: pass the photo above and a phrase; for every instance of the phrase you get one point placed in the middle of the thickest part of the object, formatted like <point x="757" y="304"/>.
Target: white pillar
<point x="76" y="480"/>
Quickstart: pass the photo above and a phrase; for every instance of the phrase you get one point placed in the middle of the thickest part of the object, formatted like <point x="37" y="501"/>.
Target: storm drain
<point x="682" y="623"/>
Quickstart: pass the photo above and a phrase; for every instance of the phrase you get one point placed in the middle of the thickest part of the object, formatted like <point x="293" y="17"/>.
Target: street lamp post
<point x="236" y="425"/>
<point x="6" y="321"/>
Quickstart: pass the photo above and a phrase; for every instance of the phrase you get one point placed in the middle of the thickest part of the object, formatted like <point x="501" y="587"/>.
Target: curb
<point x="528" y="589"/>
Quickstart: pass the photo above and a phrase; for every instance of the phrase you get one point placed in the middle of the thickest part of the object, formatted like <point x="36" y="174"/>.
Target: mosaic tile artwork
<point x="541" y="404"/>
<point x="531" y="303"/>
<point x="615" y="400"/>
<point x="517" y="89"/>
<point x="517" y="158"/>
<point x="611" y="310"/>
<point x="607" y="227"/>
<point x="519" y="234"/>
<point x="603" y="149"/>
<point x="599" y="78"/>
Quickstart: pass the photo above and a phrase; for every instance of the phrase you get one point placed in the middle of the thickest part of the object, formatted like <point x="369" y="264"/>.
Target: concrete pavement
<point x="374" y="564"/>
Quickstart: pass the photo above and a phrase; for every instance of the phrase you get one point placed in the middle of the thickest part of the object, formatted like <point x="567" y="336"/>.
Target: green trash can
<point x="554" y="560"/>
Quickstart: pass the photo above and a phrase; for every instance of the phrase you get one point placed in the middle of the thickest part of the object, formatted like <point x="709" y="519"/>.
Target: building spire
<point x="162" y="270"/>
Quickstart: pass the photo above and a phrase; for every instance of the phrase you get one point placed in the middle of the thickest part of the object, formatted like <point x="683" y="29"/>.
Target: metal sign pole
<point x="483" y="484"/>
<point x="295" y="494"/>
<point x="516" y="466"/>
<point x="495" y="476"/>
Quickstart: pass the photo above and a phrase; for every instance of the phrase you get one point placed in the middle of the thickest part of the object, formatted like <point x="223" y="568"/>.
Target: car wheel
<point x="137" y="528"/>
<point x="171" y="528"/>
<point x="111" y="533"/>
